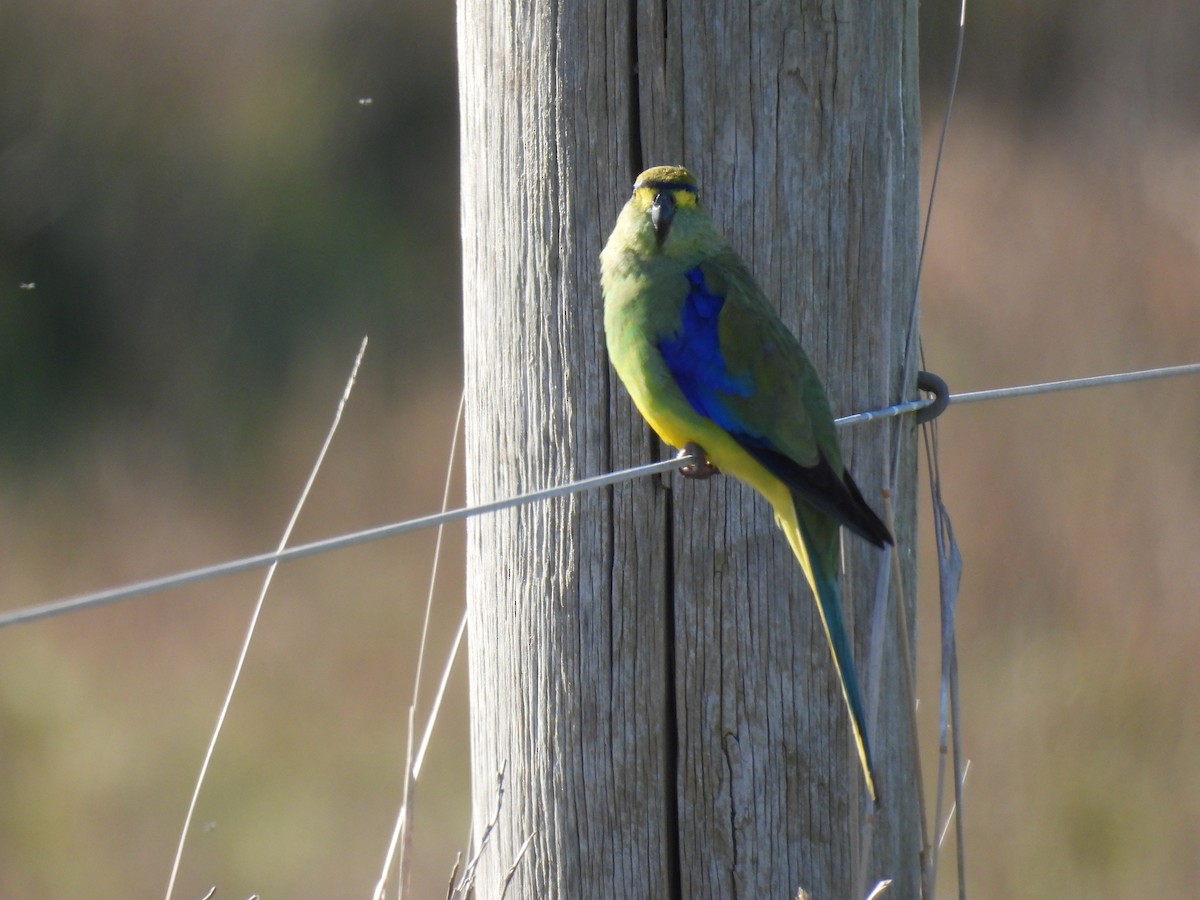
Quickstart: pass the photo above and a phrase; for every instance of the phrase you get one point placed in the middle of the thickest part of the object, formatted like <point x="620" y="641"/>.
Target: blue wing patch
<point x="693" y="356"/>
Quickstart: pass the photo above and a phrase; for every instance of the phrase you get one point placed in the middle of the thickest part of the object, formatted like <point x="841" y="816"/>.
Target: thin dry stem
<point x="254" y="616"/>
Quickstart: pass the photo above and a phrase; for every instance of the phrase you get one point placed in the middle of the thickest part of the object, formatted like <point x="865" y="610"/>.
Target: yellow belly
<point x="680" y="427"/>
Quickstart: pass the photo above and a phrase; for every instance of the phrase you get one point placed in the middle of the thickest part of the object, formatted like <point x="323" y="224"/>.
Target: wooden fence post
<point x="646" y="666"/>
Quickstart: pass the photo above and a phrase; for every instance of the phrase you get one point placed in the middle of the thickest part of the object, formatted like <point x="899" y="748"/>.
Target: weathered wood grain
<point x="646" y="664"/>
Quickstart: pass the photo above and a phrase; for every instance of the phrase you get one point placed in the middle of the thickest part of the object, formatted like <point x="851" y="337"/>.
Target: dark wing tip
<point x="867" y="524"/>
<point x="836" y="496"/>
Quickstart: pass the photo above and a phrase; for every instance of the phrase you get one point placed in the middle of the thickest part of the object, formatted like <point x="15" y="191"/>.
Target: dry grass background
<point x="1076" y="512"/>
<point x="1063" y="245"/>
<point x="104" y="716"/>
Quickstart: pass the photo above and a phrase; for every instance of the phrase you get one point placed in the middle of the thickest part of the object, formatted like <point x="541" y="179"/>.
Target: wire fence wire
<point x="232" y="567"/>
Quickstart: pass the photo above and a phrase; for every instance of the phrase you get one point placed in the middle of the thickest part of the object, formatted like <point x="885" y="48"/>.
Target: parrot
<point x="716" y="373"/>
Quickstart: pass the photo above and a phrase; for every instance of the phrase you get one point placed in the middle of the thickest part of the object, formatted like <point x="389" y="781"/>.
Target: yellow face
<point x="645" y="195"/>
<point x="660" y="193"/>
<point x="674" y="180"/>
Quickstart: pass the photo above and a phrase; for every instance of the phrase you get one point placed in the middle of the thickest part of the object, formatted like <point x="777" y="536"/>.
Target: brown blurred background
<point x="204" y="207"/>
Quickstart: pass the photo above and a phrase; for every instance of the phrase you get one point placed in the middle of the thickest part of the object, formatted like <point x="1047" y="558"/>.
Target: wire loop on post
<point x="932" y="384"/>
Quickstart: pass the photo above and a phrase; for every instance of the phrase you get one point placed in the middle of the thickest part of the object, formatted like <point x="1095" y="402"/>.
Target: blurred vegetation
<point x="204" y="206"/>
<point x="211" y="198"/>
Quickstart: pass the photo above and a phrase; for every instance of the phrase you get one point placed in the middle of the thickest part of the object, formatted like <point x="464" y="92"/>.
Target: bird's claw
<point x="703" y="469"/>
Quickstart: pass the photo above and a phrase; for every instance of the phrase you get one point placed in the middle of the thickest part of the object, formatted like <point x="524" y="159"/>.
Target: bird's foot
<point x="703" y="469"/>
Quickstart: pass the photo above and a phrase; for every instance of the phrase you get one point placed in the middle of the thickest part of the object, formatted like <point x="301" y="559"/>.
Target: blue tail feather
<point x="820" y="536"/>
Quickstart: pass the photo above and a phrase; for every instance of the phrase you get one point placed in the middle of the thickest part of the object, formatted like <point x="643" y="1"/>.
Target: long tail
<point x="814" y="540"/>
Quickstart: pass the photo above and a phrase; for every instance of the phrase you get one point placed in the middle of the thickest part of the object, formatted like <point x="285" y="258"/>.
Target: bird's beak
<point x="662" y="211"/>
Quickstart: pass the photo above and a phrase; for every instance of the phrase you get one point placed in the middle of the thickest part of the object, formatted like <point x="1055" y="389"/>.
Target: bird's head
<point x="666" y="202"/>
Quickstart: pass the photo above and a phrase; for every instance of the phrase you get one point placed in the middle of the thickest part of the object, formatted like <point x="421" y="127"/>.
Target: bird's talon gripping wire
<point x="703" y="469"/>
